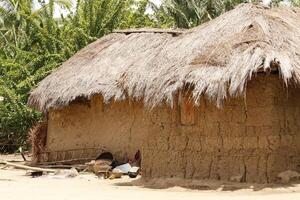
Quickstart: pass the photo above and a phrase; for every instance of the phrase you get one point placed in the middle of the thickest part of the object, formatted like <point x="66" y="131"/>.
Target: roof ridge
<point x="150" y="30"/>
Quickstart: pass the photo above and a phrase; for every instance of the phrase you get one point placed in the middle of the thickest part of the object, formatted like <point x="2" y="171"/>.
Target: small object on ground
<point x="70" y="173"/>
<point x="116" y="170"/>
<point x="288" y="176"/>
<point x="133" y="172"/>
<point x="111" y="177"/>
<point x="22" y="154"/>
<point x="103" y="174"/>
<point x="90" y="166"/>
<point x="34" y="173"/>
<point x="124" y="168"/>
<point x="101" y="166"/>
<point x="115" y="175"/>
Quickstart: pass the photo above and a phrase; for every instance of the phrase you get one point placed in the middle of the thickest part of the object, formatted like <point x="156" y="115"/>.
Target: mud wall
<point x="84" y="126"/>
<point x="254" y="138"/>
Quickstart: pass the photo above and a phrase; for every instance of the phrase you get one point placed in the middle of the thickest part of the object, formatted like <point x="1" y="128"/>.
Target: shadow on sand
<point x="201" y="184"/>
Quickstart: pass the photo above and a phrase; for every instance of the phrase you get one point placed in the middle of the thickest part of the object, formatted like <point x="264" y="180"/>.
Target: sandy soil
<point x="14" y="185"/>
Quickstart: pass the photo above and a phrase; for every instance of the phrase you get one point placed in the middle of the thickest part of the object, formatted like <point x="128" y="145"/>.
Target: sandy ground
<point x="14" y="185"/>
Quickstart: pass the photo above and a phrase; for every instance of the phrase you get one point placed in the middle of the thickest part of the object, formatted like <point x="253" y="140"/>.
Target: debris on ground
<point x="34" y="174"/>
<point x="105" y="166"/>
<point x="116" y="173"/>
<point x="25" y="167"/>
<point x="69" y="173"/>
<point x="125" y="168"/>
<point x="100" y="167"/>
<point x="134" y="172"/>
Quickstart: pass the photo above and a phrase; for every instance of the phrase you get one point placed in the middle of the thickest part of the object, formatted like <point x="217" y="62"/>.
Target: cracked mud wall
<point x="115" y="127"/>
<point x="255" y="138"/>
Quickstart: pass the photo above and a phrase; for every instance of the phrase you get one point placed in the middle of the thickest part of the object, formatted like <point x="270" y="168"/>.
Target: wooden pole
<point x="18" y="166"/>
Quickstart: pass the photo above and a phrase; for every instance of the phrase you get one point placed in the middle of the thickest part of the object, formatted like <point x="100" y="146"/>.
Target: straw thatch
<point x="215" y="59"/>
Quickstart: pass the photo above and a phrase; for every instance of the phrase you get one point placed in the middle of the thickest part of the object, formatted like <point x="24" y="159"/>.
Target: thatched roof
<point x="216" y="59"/>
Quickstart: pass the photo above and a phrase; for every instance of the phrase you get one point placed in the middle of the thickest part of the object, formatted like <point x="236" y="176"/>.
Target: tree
<point x="33" y="43"/>
<point x="190" y="13"/>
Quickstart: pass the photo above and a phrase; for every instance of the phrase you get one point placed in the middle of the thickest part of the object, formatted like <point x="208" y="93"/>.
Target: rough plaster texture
<point x="256" y="138"/>
<point x="111" y="127"/>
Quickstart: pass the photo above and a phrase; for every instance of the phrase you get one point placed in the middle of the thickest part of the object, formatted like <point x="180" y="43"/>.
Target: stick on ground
<point x="18" y="166"/>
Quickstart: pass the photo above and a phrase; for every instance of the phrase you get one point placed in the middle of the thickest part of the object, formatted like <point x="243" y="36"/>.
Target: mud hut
<point x="214" y="102"/>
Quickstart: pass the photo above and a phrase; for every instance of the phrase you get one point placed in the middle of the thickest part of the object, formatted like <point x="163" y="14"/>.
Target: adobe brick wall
<point x="96" y="125"/>
<point x="257" y="137"/>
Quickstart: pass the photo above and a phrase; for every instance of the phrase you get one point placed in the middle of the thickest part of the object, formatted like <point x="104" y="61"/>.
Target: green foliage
<point x="15" y="116"/>
<point x="135" y="16"/>
<point x="296" y="2"/>
<point x="191" y="13"/>
<point x="33" y="43"/>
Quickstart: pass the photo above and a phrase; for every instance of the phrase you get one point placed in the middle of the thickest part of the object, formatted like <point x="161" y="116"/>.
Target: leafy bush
<point x="33" y="43"/>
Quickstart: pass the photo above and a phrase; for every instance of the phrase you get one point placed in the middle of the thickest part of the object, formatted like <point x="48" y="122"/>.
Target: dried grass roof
<point x="216" y="58"/>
